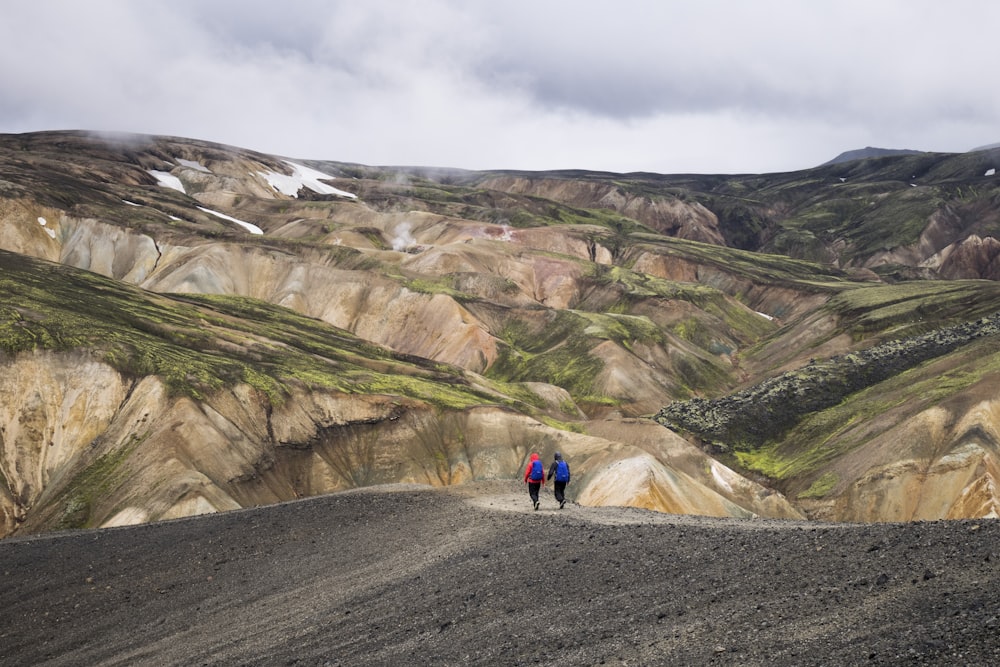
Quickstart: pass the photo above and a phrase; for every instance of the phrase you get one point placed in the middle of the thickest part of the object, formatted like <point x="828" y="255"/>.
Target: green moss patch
<point x="915" y="307"/>
<point x="97" y="481"/>
<point x="554" y="349"/>
<point x="820" y="487"/>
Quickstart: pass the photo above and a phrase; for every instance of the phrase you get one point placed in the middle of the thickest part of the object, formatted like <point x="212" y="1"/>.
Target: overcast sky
<point x="707" y="86"/>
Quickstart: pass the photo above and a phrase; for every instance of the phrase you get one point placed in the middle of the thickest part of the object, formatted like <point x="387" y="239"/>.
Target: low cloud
<point x="705" y="85"/>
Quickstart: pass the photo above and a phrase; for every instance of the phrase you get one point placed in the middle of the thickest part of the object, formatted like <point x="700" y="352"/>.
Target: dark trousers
<point x="560" y="491"/>
<point x="533" y="490"/>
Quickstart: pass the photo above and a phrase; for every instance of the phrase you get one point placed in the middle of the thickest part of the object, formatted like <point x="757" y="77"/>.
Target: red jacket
<point x="527" y="471"/>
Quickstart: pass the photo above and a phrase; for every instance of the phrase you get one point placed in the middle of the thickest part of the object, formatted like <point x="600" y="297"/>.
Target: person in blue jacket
<point x="560" y="470"/>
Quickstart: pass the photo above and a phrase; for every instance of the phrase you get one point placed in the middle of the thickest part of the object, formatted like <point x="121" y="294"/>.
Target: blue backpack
<point x="537" y="471"/>
<point x="562" y="471"/>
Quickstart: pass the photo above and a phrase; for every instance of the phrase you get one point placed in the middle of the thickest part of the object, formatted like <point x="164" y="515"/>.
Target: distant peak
<point x="869" y="152"/>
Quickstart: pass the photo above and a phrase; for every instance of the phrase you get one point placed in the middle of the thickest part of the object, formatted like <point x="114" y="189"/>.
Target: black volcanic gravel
<point x="471" y="575"/>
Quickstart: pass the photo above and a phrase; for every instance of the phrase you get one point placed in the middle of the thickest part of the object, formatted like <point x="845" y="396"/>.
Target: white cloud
<point x="690" y="85"/>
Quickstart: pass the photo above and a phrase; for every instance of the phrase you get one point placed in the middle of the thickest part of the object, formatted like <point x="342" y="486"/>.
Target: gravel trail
<point x="471" y="575"/>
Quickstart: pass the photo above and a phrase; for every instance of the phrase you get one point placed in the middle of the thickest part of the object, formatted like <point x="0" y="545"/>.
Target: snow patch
<point x="43" y="222"/>
<point x="191" y="164"/>
<point x="130" y="203"/>
<point x="990" y="172"/>
<point x="253" y="229"/>
<point x="168" y="180"/>
<point x="302" y="177"/>
<point x="764" y="315"/>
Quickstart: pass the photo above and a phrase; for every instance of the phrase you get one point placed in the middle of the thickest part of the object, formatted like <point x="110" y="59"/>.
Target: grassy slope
<point x="198" y="344"/>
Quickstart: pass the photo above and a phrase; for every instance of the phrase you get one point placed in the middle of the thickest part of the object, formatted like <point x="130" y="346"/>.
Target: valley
<point x="192" y="328"/>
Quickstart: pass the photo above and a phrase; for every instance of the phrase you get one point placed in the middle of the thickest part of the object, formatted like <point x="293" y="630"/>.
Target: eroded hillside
<point x="243" y="328"/>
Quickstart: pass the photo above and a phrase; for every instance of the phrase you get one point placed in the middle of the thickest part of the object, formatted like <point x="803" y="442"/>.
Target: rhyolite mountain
<point x="187" y="327"/>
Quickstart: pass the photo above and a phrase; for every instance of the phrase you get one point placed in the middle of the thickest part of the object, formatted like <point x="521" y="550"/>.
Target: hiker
<point x="534" y="477"/>
<point x="559" y="469"/>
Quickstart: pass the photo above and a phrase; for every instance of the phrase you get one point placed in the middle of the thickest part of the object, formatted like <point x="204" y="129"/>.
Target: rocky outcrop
<point x="52" y="409"/>
<point x="974" y="257"/>
<point x="767" y="410"/>
<point x="929" y="449"/>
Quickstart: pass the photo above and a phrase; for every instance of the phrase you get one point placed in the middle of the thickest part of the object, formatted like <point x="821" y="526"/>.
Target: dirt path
<point x="505" y="496"/>
<point x="471" y="575"/>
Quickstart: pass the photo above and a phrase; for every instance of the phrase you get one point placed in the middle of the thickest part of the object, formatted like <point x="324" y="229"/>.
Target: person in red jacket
<point x="534" y="477"/>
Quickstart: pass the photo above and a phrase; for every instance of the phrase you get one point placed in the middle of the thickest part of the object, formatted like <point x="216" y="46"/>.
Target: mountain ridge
<point x="869" y="152"/>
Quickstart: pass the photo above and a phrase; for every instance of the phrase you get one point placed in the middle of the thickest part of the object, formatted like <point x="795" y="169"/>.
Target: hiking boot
<point x="562" y="503"/>
<point x="536" y="504"/>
